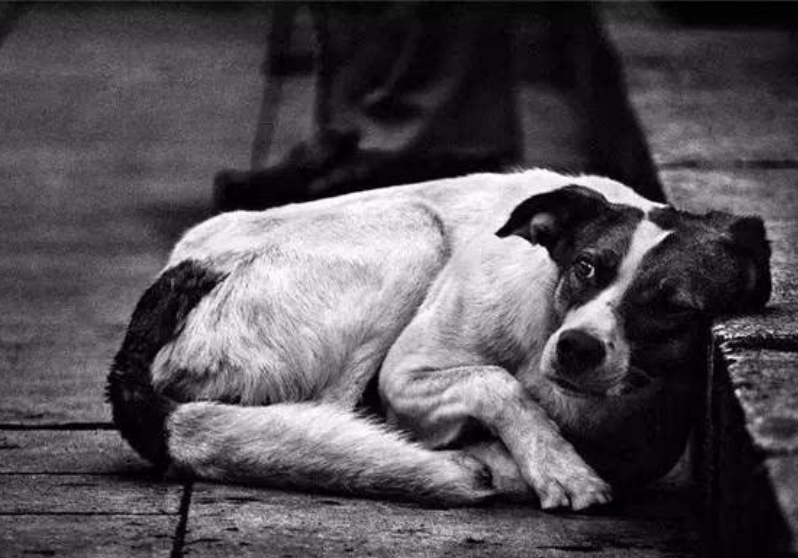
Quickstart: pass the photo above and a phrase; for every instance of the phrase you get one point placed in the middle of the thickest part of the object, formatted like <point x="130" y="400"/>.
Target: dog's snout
<point x="579" y="351"/>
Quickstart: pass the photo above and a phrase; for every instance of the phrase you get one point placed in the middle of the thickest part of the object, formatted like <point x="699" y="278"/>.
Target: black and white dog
<point x="552" y="359"/>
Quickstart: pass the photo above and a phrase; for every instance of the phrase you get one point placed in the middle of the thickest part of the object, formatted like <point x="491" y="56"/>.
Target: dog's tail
<point x="309" y="446"/>
<point x="139" y="411"/>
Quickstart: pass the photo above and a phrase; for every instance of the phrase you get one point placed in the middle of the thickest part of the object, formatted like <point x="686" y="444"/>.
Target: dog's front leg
<point x="436" y="404"/>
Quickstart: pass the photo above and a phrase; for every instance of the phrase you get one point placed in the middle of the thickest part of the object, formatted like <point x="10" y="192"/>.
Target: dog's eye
<point x="584" y="268"/>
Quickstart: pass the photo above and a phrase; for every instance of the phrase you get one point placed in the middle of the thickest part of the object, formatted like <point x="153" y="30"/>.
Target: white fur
<point x="319" y="296"/>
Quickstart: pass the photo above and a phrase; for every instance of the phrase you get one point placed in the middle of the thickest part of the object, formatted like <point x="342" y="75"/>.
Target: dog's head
<point x="637" y="291"/>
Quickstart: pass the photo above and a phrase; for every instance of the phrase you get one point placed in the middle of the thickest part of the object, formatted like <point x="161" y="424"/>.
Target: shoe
<point x="367" y="172"/>
<point x="286" y="182"/>
<point x="306" y="176"/>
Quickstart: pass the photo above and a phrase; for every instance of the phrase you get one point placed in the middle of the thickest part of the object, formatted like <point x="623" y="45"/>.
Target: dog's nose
<point x="578" y="351"/>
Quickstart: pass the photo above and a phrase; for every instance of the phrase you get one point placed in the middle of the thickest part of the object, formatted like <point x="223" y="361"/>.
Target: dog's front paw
<point x="562" y="479"/>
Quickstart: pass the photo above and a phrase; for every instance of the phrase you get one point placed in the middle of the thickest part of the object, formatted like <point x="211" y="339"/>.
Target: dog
<point x="529" y="335"/>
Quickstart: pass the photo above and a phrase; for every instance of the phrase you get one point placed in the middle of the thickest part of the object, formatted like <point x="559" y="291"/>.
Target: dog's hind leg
<point x="317" y="446"/>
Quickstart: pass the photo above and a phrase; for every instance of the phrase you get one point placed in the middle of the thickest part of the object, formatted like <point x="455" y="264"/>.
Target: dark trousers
<point x="525" y="84"/>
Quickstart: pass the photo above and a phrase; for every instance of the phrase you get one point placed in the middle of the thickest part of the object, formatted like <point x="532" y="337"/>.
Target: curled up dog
<point x="532" y="336"/>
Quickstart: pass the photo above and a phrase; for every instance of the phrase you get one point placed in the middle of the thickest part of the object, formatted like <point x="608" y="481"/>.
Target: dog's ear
<point x="746" y="239"/>
<point x="549" y="219"/>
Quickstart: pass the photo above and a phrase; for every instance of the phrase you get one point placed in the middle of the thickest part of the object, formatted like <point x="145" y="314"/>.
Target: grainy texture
<point x="79" y="536"/>
<point x="95" y="452"/>
<point x="766" y="384"/>
<point x="744" y="514"/>
<point x="712" y="93"/>
<point x="91" y="494"/>
<point x="783" y="470"/>
<point x="773" y="328"/>
<point x="763" y="126"/>
<point x="769" y="193"/>
<point x="114" y="122"/>
<point x="246" y="522"/>
<point x="55" y="373"/>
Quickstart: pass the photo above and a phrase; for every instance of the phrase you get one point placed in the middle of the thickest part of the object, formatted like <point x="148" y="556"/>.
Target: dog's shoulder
<point x="346" y="221"/>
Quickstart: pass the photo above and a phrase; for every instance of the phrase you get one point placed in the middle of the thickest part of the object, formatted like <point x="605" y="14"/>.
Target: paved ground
<point x="113" y="119"/>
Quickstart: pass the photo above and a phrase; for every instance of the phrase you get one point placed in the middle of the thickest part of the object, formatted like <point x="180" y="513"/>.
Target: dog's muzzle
<point x="578" y="351"/>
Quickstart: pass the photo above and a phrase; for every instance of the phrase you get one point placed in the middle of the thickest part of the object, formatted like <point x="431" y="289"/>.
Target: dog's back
<point x="245" y="359"/>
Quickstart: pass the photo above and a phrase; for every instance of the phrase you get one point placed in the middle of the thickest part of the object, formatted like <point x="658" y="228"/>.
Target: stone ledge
<point x="774" y="329"/>
<point x="765" y="383"/>
<point x="752" y="498"/>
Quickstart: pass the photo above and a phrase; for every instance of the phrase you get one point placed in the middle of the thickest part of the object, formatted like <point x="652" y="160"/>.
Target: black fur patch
<point x="710" y="265"/>
<point x="722" y="259"/>
<point x="139" y="411"/>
